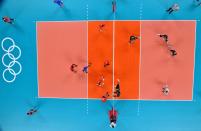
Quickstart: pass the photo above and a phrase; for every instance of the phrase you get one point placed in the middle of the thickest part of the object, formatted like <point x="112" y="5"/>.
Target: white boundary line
<point x="140" y="60"/>
<point x="88" y="71"/>
<point x="116" y="20"/>
<point x="139" y="69"/>
<point x="112" y="99"/>
<point x="37" y="57"/>
<point x="87" y="58"/>
<point x="87" y="22"/>
<point x="194" y="62"/>
<point x="113" y="58"/>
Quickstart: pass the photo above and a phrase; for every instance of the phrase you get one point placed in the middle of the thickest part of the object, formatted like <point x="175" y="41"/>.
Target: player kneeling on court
<point x="113" y="117"/>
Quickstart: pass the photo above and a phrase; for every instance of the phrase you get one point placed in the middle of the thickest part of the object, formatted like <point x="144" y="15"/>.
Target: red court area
<point x="61" y="44"/>
<point x="143" y="67"/>
<point x="100" y="49"/>
<point x="158" y="67"/>
<point x="127" y="58"/>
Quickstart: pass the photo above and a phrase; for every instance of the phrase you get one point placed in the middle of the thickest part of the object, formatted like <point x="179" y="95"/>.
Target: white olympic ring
<point x="10" y="70"/>
<point x="10" y="56"/>
<point x="2" y="43"/>
<point x="12" y="48"/>
<point x="13" y="59"/>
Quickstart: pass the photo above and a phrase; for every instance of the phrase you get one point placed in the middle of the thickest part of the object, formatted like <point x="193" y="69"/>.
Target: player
<point x="101" y="27"/>
<point x="173" y="52"/>
<point x="174" y="7"/>
<point x="31" y="112"/>
<point x="106" y="63"/>
<point x="59" y="2"/>
<point x="114" y="7"/>
<point x="73" y="68"/>
<point x="165" y="90"/>
<point x="100" y="82"/>
<point x="133" y="39"/>
<point x="113" y="117"/>
<point x="7" y="19"/>
<point x="85" y="69"/>
<point x="164" y="37"/>
<point x="117" y="92"/>
<point x="198" y="2"/>
<point x="105" y="97"/>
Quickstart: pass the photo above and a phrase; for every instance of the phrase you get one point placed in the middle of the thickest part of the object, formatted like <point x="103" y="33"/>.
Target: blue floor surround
<point x="89" y="115"/>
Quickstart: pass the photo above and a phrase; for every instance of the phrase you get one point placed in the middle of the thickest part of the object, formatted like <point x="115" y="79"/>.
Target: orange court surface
<point x="59" y="45"/>
<point x="143" y="67"/>
<point x="159" y="68"/>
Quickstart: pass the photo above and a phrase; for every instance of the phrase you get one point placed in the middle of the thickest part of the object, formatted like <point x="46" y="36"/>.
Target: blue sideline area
<point x="89" y="115"/>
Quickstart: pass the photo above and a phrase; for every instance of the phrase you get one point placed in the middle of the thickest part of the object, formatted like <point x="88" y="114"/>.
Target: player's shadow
<point x="15" y="26"/>
<point x="193" y="6"/>
<point x="197" y="99"/>
<point x="198" y="95"/>
<point x="53" y="13"/>
<point x="160" y="83"/>
<point x="37" y="106"/>
<point x="110" y="16"/>
<point x="125" y="1"/>
<point x="4" y="29"/>
<point x="18" y="28"/>
<point x="66" y="11"/>
<point x="1" y="3"/>
<point x="58" y="11"/>
<point x="167" y="16"/>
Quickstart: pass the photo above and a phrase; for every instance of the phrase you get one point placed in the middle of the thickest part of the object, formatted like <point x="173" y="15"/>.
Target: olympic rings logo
<point x="9" y="53"/>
